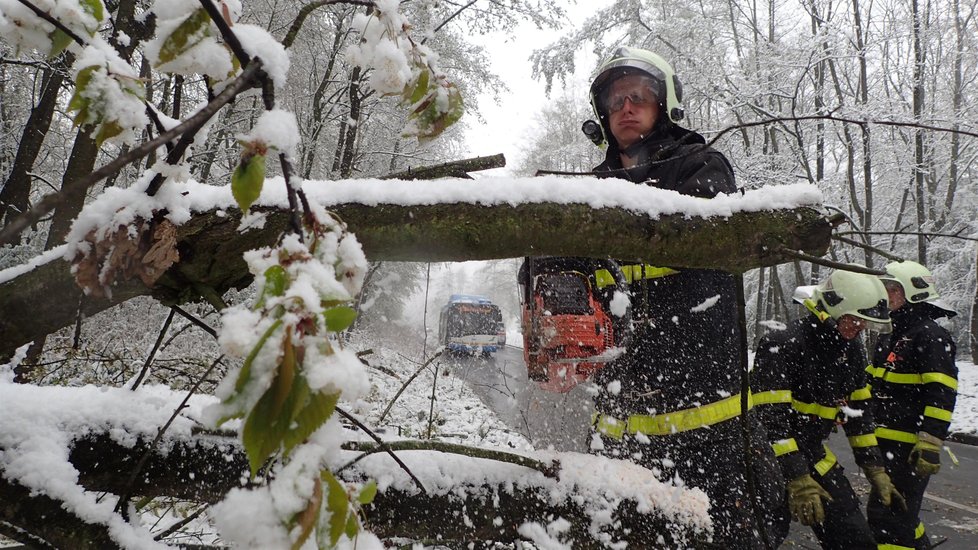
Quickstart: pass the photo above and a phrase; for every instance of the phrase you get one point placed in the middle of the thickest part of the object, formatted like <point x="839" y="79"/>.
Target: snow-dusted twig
<point x="122" y="507"/>
<point x="407" y="383"/>
<point x="828" y="263"/>
<point x="551" y="470"/>
<point x="53" y="20"/>
<point x="381" y="446"/>
<point x="189" y="126"/>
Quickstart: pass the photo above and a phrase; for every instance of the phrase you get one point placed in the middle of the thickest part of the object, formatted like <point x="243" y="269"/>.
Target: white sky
<point x="509" y="124"/>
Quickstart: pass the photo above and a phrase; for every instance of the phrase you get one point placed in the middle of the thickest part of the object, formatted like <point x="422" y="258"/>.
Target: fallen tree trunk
<point x="205" y="468"/>
<point x="210" y="246"/>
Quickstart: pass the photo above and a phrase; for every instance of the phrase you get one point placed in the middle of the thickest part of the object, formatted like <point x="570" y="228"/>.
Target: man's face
<point x="850" y="326"/>
<point x="632" y="109"/>
<point x="895" y="295"/>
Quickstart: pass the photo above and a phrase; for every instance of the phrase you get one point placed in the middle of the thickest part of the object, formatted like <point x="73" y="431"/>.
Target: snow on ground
<point x="965" y="418"/>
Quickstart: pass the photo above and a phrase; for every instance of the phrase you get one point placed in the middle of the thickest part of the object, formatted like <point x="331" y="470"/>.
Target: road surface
<point x="561" y="421"/>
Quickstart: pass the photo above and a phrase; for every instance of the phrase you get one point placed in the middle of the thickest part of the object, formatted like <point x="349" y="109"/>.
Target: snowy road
<point x="558" y="420"/>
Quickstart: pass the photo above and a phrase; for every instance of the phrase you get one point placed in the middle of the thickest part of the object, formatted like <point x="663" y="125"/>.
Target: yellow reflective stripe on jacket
<point x="862" y="394"/>
<point x="608" y="425"/>
<point x="603" y="278"/>
<point x="949" y="381"/>
<point x="673" y="422"/>
<point x="771" y="396"/>
<point x="940" y="414"/>
<point x="637" y="272"/>
<point x="823" y="466"/>
<point x="913" y="378"/>
<point x="821" y="411"/>
<point x="893" y="547"/>
<point x="919" y="531"/>
<point x="896" y="435"/>
<point x="865" y="440"/>
<point x="784" y="446"/>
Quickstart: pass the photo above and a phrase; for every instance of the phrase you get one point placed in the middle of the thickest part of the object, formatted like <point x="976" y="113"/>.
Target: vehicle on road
<point x="470" y="324"/>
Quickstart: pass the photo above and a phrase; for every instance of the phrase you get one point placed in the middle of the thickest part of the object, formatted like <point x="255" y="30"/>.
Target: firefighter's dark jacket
<point x="683" y="348"/>
<point x="914" y="376"/>
<point x="806" y="380"/>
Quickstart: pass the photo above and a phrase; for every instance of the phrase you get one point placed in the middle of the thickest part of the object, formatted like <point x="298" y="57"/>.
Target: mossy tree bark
<point x="210" y="247"/>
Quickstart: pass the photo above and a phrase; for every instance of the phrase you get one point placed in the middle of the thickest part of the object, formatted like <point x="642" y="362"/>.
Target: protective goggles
<point x="640" y="91"/>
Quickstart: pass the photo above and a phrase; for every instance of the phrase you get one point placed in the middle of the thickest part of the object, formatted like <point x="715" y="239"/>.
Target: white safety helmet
<point x="664" y="83"/>
<point x="857" y="294"/>
<point x="916" y="280"/>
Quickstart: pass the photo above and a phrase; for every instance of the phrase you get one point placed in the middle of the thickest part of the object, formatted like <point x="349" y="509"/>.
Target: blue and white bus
<point x="470" y="324"/>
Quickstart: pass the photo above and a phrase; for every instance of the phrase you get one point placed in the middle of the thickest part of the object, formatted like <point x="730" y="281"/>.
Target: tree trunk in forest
<point x="81" y="162"/>
<point x="319" y="111"/>
<point x="204" y="469"/>
<point x="15" y="194"/>
<point x="973" y="333"/>
<point x="918" y="109"/>
<point x="352" y="126"/>
<point x="211" y="247"/>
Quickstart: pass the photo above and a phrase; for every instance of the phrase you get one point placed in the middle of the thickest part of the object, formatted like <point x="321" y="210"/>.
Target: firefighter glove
<point x="805" y="500"/>
<point x="926" y="454"/>
<point x="883" y="487"/>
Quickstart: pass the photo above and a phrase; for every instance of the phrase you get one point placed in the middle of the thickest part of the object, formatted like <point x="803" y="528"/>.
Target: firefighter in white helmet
<point x="808" y="379"/>
<point x="915" y="383"/>
<point x="672" y="401"/>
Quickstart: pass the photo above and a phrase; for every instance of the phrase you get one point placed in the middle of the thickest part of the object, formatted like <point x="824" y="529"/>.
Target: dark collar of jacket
<point x="911" y="315"/>
<point x="657" y="146"/>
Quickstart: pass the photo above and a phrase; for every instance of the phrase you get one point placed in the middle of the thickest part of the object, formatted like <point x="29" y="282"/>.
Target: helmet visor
<point x="877" y="317"/>
<point x="639" y="91"/>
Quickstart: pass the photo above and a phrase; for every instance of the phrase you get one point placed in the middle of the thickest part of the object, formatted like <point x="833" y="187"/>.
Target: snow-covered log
<point x="446" y="220"/>
<point x="594" y="501"/>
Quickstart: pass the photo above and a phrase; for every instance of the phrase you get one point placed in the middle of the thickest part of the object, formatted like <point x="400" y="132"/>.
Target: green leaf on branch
<point x="308" y="518"/>
<point x="339" y="318"/>
<point x="188" y="34"/>
<point x="367" y="492"/>
<point x="79" y="100"/>
<point x="59" y="41"/>
<point x="338" y="505"/>
<point x="107" y="130"/>
<point x="314" y="409"/>
<point x="352" y="526"/>
<point x="441" y="108"/>
<point x="248" y="179"/>
<point x="94" y="87"/>
<point x="414" y="94"/>
<point x="245" y="373"/>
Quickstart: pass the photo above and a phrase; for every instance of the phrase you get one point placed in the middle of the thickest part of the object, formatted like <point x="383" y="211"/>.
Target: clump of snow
<point x="38" y="425"/>
<point x="619" y="304"/>
<point x="259" y="43"/>
<point x="114" y="91"/>
<point x="275" y="129"/>
<point x="380" y="50"/>
<point x="597" y="193"/>
<point x="707" y="304"/>
<point x="22" y="28"/>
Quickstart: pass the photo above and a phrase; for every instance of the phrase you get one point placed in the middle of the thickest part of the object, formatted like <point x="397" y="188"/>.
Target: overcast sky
<point x="509" y="124"/>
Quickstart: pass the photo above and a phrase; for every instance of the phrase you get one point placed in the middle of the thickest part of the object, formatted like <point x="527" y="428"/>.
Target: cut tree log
<point x="204" y="468"/>
<point x="210" y="246"/>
